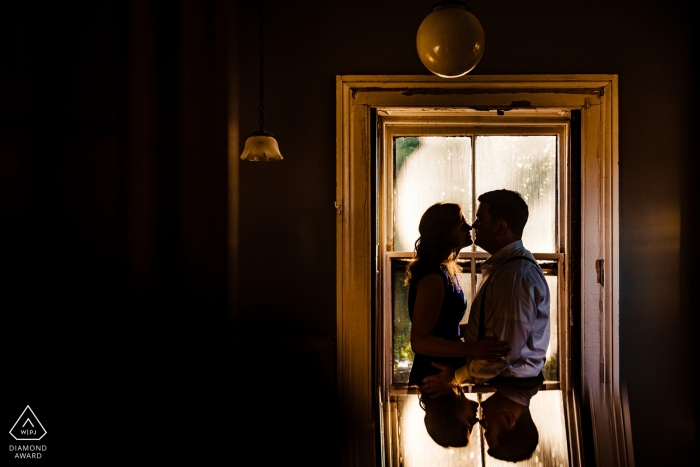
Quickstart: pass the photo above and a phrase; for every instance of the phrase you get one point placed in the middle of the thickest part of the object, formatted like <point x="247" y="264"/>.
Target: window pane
<point x="550" y="370"/>
<point x="403" y="354"/>
<point x="427" y="170"/>
<point x="528" y="165"/>
<point x="430" y="169"/>
<point x="465" y="282"/>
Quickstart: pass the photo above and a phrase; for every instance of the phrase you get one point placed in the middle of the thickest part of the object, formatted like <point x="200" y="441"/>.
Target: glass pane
<point x="470" y="301"/>
<point x="551" y="365"/>
<point x="546" y="408"/>
<point x="403" y="355"/>
<point x="528" y="165"/>
<point x="427" y="170"/>
<point x="466" y="283"/>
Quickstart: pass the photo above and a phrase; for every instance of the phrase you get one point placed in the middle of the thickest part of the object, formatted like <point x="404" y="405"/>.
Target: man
<point x="509" y="429"/>
<point x="512" y="303"/>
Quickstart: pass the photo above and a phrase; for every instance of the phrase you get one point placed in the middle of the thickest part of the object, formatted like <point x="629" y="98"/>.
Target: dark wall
<point x="115" y="120"/>
<point x="113" y="175"/>
<point x="113" y="127"/>
<point x="287" y="215"/>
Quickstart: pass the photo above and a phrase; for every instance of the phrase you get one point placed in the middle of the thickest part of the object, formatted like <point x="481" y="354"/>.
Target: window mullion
<point x="473" y="259"/>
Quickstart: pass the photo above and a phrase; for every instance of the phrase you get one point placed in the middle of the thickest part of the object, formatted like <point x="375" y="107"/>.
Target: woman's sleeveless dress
<point x="454" y="305"/>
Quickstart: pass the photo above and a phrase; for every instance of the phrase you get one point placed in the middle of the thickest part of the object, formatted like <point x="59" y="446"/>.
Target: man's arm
<point x="511" y="311"/>
<point x="426" y="312"/>
<point x="512" y="306"/>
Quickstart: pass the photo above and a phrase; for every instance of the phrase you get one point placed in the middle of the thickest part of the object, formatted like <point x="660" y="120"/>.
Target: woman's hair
<point x="433" y="247"/>
<point x="444" y="419"/>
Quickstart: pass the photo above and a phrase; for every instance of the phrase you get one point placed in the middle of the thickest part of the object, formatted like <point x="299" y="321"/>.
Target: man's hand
<point x="491" y="349"/>
<point x="440" y="384"/>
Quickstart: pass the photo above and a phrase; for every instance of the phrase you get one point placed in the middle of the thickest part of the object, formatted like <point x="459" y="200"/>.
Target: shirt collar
<point x="504" y="252"/>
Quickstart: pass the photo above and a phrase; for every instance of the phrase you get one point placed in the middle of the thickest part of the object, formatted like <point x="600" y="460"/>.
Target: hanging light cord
<point x="262" y="74"/>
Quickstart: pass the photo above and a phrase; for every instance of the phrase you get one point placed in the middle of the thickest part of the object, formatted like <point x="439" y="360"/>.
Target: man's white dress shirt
<point x="517" y="311"/>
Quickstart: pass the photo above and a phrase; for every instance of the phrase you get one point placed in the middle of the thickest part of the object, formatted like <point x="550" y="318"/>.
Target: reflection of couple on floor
<point x="512" y="304"/>
<point x="509" y="429"/>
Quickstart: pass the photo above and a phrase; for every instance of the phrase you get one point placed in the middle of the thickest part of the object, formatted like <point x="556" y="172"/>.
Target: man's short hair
<point x="508" y="206"/>
<point x="519" y="443"/>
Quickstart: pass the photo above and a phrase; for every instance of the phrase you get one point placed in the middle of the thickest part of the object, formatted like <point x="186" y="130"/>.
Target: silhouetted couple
<point x="509" y="430"/>
<point x="506" y="337"/>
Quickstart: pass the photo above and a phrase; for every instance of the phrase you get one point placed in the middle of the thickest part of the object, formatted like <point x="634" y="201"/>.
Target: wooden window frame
<point x="595" y="96"/>
<point x="397" y="123"/>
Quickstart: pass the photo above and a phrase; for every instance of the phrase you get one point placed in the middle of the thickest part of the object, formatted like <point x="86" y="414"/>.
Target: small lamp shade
<point x="261" y="146"/>
<point x="450" y="40"/>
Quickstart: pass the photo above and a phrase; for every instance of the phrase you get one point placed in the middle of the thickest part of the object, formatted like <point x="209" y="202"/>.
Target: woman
<point x="436" y="302"/>
<point x="449" y="419"/>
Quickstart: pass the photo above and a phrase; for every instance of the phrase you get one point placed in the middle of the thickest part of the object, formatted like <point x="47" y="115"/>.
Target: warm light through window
<point x="457" y="169"/>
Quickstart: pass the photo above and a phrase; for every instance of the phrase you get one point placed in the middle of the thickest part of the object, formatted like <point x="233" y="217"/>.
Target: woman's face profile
<point x="460" y="235"/>
<point x="467" y="410"/>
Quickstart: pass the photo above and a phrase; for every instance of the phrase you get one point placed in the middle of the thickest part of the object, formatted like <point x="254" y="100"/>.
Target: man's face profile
<point x="468" y="410"/>
<point x="495" y="419"/>
<point x="483" y="227"/>
<point x="508" y="428"/>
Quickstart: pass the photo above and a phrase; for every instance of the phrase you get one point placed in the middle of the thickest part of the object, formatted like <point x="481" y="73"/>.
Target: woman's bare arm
<point x="426" y="311"/>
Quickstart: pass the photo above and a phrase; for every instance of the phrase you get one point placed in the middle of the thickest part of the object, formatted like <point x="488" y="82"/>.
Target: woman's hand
<point x="491" y="349"/>
<point x="440" y="384"/>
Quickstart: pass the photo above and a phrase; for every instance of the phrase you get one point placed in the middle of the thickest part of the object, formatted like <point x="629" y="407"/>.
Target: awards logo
<point x="28" y="428"/>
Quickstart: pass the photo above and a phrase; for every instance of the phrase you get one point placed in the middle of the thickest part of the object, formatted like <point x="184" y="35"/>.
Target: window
<point x="454" y="159"/>
<point x="579" y="251"/>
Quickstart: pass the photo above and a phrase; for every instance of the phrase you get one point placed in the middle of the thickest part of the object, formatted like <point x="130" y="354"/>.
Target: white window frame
<point x="596" y="97"/>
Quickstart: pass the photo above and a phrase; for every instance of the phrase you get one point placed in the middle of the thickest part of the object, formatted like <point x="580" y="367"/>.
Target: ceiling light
<point x="261" y="145"/>
<point x="450" y="40"/>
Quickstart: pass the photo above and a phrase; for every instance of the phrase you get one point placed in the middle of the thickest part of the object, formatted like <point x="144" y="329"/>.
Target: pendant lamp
<point x="261" y="145"/>
<point x="450" y="40"/>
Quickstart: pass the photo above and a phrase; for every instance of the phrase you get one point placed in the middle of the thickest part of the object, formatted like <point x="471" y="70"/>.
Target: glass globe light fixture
<point x="450" y="40"/>
<point x="261" y="146"/>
